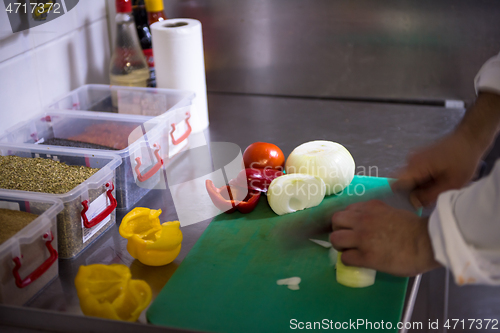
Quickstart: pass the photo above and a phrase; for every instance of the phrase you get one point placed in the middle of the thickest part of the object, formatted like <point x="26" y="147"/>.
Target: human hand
<point x="448" y="164"/>
<point x="374" y="235"/>
<point x="452" y="162"/>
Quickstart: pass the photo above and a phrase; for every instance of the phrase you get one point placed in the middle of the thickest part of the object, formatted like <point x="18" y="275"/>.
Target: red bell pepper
<point x="230" y="198"/>
<point x="257" y="179"/>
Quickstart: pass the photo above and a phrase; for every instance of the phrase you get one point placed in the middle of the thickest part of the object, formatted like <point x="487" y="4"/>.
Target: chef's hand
<point x="452" y="162"/>
<point x="374" y="235"/>
<point x="448" y="164"/>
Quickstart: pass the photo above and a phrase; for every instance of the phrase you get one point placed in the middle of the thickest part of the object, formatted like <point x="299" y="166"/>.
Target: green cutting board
<point x="227" y="282"/>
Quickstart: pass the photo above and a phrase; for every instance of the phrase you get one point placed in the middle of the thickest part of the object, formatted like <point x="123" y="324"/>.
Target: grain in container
<point x="89" y="208"/>
<point x="28" y="246"/>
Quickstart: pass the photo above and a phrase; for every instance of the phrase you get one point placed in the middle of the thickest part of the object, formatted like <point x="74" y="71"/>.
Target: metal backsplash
<point x="388" y="49"/>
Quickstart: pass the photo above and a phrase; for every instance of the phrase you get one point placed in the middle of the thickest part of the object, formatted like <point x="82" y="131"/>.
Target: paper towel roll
<point x="179" y="63"/>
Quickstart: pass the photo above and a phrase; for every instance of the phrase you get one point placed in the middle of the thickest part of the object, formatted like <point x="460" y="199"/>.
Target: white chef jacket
<point x="465" y="226"/>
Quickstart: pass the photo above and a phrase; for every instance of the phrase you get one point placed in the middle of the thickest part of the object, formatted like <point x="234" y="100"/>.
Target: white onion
<point x="328" y="160"/>
<point x="290" y="193"/>
<point x="354" y="277"/>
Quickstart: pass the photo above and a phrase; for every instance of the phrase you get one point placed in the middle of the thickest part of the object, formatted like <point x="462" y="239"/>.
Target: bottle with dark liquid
<point x="144" y="34"/>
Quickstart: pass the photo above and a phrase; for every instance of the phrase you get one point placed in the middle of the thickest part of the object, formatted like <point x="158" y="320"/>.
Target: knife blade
<point x="318" y="224"/>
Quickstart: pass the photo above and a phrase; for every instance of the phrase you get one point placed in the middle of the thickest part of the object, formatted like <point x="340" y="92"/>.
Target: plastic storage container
<point x="89" y="209"/>
<point x="151" y="102"/>
<point x="166" y="111"/>
<point x="28" y="260"/>
<point x="171" y="105"/>
<point x="143" y="143"/>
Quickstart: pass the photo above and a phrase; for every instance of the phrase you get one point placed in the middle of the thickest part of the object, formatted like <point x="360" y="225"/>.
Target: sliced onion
<point x="354" y="277"/>
<point x="326" y="159"/>
<point x="292" y="283"/>
<point x="333" y="255"/>
<point x="290" y="193"/>
<point x="289" y="281"/>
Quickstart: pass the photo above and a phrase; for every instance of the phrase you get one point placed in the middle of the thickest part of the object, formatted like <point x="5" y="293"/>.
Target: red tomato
<point x="263" y="155"/>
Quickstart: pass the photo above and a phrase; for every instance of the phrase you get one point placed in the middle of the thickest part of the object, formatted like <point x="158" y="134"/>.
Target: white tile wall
<point x="19" y="90"/>
<point x="45" y="62"/>
<point x="72" y="60"/>
<point x="93" y="10"/>
<point x="14" y="44"/>
<point x="11" y="44"/>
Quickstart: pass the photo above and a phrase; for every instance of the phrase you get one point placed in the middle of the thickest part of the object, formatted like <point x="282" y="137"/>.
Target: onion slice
<point x="288" y="281"/>
<point x="333" y="255"/>
<point x="292" y="283"/>
<point x="290" y="193"/>
<point x="354" y="277"/>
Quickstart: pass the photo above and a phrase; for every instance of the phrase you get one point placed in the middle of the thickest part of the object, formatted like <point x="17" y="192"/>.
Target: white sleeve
<point x="465" y="231"/>
<point x="488" y="77"/>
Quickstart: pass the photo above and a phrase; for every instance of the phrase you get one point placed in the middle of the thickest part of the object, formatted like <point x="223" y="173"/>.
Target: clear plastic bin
<point x="124" y="100"/>
<point x="89" y="208"/>
<point x="152" y="142"/>
<point x="28" y="260"/>
<point x="171" y="105"/>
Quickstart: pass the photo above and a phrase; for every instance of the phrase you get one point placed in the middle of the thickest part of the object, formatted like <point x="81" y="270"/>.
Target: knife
<point x="317" y="224"/>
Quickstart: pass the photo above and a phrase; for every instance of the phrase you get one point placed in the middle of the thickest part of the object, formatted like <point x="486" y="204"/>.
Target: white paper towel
<point x="179" y="63"/>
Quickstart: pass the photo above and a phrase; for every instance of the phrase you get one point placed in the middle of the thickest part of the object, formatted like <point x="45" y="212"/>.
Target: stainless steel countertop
<point x="377" y="135"/>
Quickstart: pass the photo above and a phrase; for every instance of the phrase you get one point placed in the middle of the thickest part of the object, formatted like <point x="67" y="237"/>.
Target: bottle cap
<point x="123" y="6"/>
<point x="154" y="5"/>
